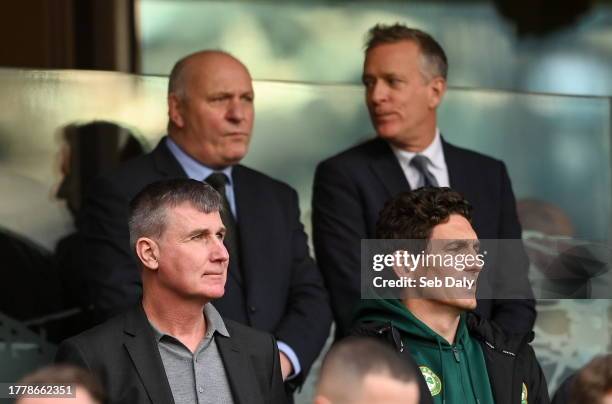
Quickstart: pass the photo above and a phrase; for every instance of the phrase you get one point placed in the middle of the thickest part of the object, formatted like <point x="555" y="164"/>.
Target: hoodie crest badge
<point x="432" y="380"/>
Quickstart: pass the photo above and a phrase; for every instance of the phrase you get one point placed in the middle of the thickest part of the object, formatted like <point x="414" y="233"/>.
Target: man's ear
<point x="437" y="89"/>
<point x="402" y="271"/>
<point x="174" y="110"/>
<point x="148" y="253"/>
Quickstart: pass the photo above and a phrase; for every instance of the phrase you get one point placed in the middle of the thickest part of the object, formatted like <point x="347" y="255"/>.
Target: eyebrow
<point x="464" y="243"/>
<point x="231" y="93"/>
<point x="205" y="232"/>
<point x="197" y="232"/>
<point x="383" y="76"/>
<point x="221" y="94"/>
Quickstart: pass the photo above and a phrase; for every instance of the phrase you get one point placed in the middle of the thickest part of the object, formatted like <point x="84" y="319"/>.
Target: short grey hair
<point x="434" y="62"/>
<point x="148" y="209"/>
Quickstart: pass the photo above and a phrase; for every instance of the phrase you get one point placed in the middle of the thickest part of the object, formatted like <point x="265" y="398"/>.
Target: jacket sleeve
<point x="110" y="270"/>
<point x="514" y="315"/>
<point x="307" y="320"/>
<point x="338" y="226"/>
<point x="276" y="394"/>
<point x="69" y="353"/>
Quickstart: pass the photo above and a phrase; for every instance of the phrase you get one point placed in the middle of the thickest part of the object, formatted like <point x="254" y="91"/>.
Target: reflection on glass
<point x="322" y="41"/>
<point x="556" y="148"/>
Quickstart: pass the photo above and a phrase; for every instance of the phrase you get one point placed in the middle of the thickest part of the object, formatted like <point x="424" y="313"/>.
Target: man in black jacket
<point x="273" y="283"/>
<point x="174" y="347"/>
<point x="404" y="75"/>
<point x="462" y="358"/>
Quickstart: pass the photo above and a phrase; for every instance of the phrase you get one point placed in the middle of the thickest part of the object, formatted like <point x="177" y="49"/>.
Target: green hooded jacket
<point x="454" y="373"/>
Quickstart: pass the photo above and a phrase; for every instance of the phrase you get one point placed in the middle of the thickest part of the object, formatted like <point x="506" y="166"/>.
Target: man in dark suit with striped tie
<point x="404" y="75"/>
<point x="273" y="284"/>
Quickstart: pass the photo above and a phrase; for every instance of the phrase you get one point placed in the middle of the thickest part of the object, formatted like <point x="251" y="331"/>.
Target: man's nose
<point x="236" y="112"/>
<point x="219" y="252"/>
<point x="377" y="93"/>
<point x="477" y="263"/>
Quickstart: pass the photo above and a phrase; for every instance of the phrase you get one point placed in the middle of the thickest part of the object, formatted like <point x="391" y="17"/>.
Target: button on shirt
<point x="436" y="163"/>
<point x="198" y="377"/>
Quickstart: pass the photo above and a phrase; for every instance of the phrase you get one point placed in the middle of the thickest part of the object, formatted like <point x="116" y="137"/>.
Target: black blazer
<point x="280" y="289"/>
<point x="123" y="353"/>
<point x="352" y="187"/>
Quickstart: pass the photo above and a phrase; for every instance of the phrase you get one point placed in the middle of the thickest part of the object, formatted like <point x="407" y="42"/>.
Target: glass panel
<point x="569" y="136"/>
<point x="322" y="41"/>
<point x="556" y="148"/>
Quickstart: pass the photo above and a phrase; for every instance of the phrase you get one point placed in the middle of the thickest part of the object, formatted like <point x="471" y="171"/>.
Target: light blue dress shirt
<point x="197" y="171"/>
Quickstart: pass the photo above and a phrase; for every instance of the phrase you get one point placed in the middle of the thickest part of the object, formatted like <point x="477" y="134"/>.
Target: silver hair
<point x="148" y="209"/>
<point x="433" y="59"/>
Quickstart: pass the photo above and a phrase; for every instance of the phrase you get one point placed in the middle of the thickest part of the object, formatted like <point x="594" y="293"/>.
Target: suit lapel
<point x="165" y="161"/>
<point x="386" y="167"/>
<point x="250" y="224"/>
<point x="238" y="370"/>
<point x="458" y="176"/>
<point x="140" y="344"/>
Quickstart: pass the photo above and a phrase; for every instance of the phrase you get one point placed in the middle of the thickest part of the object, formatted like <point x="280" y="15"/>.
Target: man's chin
<point x="234" y="156"/>
<point x="466" y="304"/>
<point x="463" y="304"/>
<point x="386" y="132"/>
<point x="213" y="293"/>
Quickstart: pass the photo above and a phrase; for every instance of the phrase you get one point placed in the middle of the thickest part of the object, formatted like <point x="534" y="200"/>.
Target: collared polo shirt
<point x="198" y="377"/>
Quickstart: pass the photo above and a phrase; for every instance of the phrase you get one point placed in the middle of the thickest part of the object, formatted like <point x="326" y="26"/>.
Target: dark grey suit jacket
<point x="352" y="187"/>
<point x="123" y="353"/>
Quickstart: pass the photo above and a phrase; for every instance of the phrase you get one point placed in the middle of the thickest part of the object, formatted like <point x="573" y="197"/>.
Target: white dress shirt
<point x="435" y="162"/>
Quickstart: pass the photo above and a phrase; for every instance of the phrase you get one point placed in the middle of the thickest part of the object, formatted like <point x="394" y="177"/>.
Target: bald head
<point x="363" y="370"/>
<point x="210" y="108"/>
<point x="202" y="61"/>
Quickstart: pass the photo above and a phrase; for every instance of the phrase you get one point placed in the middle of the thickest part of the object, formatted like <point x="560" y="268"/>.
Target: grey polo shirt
<point x="199" y="377"/>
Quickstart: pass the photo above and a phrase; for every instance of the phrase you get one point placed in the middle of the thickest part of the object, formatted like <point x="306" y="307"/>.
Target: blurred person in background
<point x="592" y="384"/>
<point x="365" y="371"/>
<point x="87" y="388"/>
<point x="88" y="151"/>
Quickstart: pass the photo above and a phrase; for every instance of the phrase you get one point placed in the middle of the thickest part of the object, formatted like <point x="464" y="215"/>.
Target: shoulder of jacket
<point x="495" y="338"/>
<point x="382" y="330"/>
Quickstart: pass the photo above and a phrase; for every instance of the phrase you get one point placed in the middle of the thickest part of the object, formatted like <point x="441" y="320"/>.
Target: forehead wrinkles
<point x="182" y="217"/>
<point x="215" y="73"/>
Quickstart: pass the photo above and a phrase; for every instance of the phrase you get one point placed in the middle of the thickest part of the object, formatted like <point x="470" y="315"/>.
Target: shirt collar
<point x="433" y="152"/>
<point x="214" y="322"/>
<point x="193" y="168"/>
